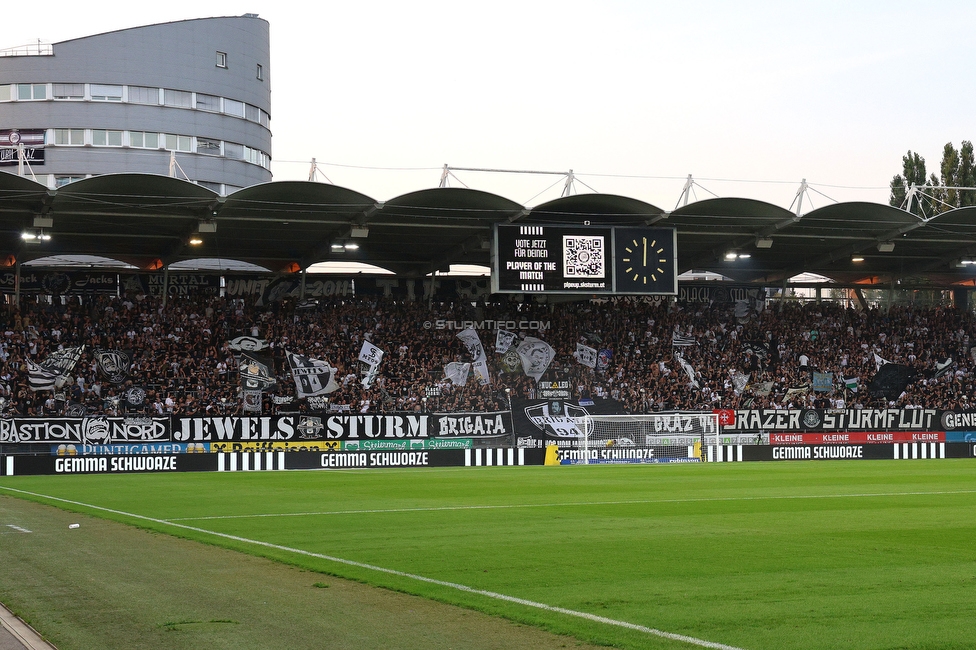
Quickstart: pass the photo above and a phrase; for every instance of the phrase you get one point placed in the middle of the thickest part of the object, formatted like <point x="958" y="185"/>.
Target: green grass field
<point x="876" y="555"/>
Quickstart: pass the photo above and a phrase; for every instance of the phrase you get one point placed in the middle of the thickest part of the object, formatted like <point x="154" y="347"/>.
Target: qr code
<point x="583" y="256"/>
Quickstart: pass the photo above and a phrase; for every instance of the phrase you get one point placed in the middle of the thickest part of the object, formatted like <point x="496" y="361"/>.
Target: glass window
<point x="208" y="103"/>
<point x="137" y="139"/>
<point x="221" y="59"/>
<point x="143" y="95"/>
<point x="31" y="91"/>
<point x="234" y="107"/>
<point x="106" y="93"/>
<point x="178" y="98"/>
<point x="252" y="113"/>
<point x="69" y="136"/>
<point x="234" y="150"/>
<point x="68" y="91"/>
<point x="260" y="72"/>
<point x="183" y="143"/>
<point x="61" y="181"/>
<point x="105" y="138"/>
<point x="208" y="146"/>
<point x="169" y="141"/>
<point x="5" y="93"/>
<point x="152" y="140"/>
<point x="265" y="119"/>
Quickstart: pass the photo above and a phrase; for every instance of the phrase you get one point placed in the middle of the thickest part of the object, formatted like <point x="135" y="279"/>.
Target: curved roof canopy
<point x="149" y="221"/>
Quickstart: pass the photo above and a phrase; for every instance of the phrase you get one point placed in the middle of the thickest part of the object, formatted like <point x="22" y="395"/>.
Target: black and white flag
<point x="586" y="355"/>
<point x="503" y="341"/>
<point x="479" y="362"/>
<point x="536" y="355"/>
<point x="247" y="344"/>
<point x="680" y="340"/>
<point x="312" y="376"/>
<point x="113" y="365"/>
<point x="40" y="378"/>
<point x="457" y="373"/>
<point x="689" y="370"/>
<point x="255" y="371"/>
<point x="45" y="376"/>
<point x="371" y="356"/>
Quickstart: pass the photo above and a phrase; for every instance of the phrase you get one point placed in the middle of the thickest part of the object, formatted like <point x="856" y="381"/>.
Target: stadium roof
<point x="147" y="221"/>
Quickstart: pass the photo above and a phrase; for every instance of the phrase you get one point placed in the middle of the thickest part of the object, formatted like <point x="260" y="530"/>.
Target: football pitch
<point x="745" y="556"/>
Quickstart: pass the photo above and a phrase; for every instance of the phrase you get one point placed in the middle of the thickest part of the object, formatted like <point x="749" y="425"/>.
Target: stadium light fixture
<point x="195" y="239"/>
<point x="337" y="248"/>
<point x="744" y="256"/>
<point x="35" y="236"/>
<point x="351" y="246"/>
<point x="731" y="256"/>
<point x="886" y="246"/>
<point x="857" y="258"/>
<point x="764" y="242"/>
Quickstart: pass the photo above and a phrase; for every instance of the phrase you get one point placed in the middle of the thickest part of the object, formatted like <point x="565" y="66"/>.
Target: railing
<point x="32" y="49"/>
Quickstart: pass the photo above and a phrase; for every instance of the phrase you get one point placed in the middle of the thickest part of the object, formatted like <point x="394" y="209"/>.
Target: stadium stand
<point x="774" y="357"/>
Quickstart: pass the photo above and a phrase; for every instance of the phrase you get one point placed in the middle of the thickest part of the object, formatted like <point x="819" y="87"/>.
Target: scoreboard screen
<point x="584" y="259"/>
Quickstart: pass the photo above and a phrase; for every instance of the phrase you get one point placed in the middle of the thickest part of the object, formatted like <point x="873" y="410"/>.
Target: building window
<point x="143" y="140"/>
<point x="260" y="72"/>
<point x="31" y="91"/>
<point x="5" y="93"/>
<point x="221" y="59"/>
<point x="143" y="95"/>
<point x="178" y="98"/>
<point x="105" y="138"/>
<point x="69" y="137"/>
<point x="233" y="150"/>
<point x="208" y="146"/>
<point x="106" y="93"/>
<point x="233" y="107"/>
<point x="68" y="91"/>
<point x="252" y="113"/>
<point x="265" y="119"/>
<point x="61" y="181"/>
<point x="176" y="142"/>
<point x="208" y="103"/>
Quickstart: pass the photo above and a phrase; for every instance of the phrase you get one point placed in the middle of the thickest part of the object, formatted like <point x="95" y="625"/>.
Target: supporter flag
<point x="823" y="382"/>
<point x="803" y="389"/>
<point x="503" y="341"/>
<point x="40" y="378"/>
<point x="536" y="355"/>
<point x="312" y="376"/>
<point x="113" y="365"/>
<point x="252" y="401"/>
<point x="511" y="361"/>
<point x="603" y="360"/>
<point x="680" y="340"/>
<point x="742" y="311"/>
<point x="457" y="372"/>
<point x="58" y="364"/>
<point x="891" y="380"/>
<point x="942" y="367"/>
<point x="850" y="383"/>
<point x="134" y="399"/>
<point x="688" y="370"/>
<point x="763" y="389"/>
<point x="371" y="356"/>
<point x="472" y="341"/>
<point x="759" y="348"/>
<point x="247" y="344"/>
<point x="878" y="361"/>
<point x="739" y="381"/>
<point x="255" y="370"/>
<point x="586" y="355"/>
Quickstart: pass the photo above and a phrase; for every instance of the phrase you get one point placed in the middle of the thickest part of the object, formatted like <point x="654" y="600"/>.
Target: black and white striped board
<point x="486" y="457"/>
<point x="915" y="450"/>
<point x="247" y="461"/>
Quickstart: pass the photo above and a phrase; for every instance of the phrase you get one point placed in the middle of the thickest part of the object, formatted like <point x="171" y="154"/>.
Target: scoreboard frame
<point x="545" y="259"/>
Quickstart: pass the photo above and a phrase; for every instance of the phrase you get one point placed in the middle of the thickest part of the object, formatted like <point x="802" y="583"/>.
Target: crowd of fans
<point x="764" y="356"/>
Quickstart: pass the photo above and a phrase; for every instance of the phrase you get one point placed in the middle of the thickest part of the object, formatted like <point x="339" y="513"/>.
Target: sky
<point x="749" y="98"/>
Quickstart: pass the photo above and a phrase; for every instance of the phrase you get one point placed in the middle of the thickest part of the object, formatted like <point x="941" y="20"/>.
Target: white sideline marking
<point x="18" y="528"/>
<point x="573" y="504"/>
<point x="453" y="585"/>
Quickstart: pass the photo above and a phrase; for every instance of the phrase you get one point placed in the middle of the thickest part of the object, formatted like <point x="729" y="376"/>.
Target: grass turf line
<point x="873" y="572"/>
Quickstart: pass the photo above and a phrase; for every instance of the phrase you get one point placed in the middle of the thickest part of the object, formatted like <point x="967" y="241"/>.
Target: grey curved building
<point x="190" y="99"/>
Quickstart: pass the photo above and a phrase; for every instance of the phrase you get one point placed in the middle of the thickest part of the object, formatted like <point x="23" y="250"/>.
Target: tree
<point x="913" y="173"/>
<point x="966" y="174"/>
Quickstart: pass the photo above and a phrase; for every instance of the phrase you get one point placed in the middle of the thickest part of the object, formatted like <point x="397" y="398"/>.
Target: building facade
<point x="190" y="99"/>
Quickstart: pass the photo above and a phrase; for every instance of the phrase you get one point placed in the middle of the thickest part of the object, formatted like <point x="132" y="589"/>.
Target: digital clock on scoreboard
<point x="583" y="259"/>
